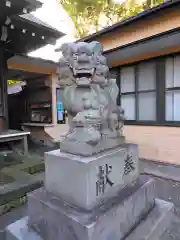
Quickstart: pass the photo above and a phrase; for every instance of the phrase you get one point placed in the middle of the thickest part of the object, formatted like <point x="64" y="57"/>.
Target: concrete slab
<point x="150" y="228"/>
<point x="165" y="189"/>
<point x="52" y="217"/>
<point x="20" y="231"/>
<point x="160" y="169"/>
<point x="11" y="217"/>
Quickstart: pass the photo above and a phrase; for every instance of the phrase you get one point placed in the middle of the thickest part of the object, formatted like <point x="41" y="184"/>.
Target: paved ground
<point x="165" y="189"/>
<point x="162" y="170"/>
<point x="10" y="218"/>
<point x="170" y="191"/>
<point x="20" y="174"/>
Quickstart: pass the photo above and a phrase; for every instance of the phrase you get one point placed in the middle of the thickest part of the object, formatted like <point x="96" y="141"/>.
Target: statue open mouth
<point x="83" y="76"/>
<point x="83" y="72"/>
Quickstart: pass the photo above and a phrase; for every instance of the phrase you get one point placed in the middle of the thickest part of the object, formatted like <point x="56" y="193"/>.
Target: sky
<point x="52" y="13"/>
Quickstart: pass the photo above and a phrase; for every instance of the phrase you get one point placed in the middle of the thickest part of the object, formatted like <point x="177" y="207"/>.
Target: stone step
<point x="155" y="223"/>
<point x="150" y="228"/>
<point x="19" y="231"/>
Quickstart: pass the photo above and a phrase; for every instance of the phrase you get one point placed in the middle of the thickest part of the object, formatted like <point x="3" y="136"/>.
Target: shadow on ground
<point x="20" y="174"/>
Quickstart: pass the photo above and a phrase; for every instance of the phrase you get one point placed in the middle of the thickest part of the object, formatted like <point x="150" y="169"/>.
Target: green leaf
<point x="92" y="15"/>
<point x="13" y="82"/>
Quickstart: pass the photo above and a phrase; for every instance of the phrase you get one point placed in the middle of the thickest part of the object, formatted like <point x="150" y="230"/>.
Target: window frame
<point x="160" y="71"/>
<point x="136" y="92"/>
<point x="128" y="93"/>
<point x="172" y="89"/>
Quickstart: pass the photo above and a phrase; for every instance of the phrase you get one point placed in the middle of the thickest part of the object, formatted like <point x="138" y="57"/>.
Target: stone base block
<point x="86" y="181"/>
<point x="151" y="228"/>
<point x="53" y="218"/>
<point x="20" y="231"/>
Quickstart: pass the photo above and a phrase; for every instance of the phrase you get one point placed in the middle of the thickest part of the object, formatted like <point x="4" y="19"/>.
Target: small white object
<point x="8" y="20"/>
<point x="42" y="37"/>
<point x="33" y="34"/>
<point x="24" y="30"/>
<point x="12" y="26"/>
<point x="25" y="10"/>
<point x="12" y="89"/>
<point x="4" y="33"/>
<point x="23" y="83"/>
<point x="8" y="3"/>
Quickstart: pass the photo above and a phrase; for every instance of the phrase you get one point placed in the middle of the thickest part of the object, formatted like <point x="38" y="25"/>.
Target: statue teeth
<point x="92" y="71"/>
<point x="74" y="71"/>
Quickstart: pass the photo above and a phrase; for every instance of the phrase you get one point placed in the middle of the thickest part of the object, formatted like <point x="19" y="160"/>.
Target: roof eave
<point x="55" y="33"/>
<point x="34" y="4"/>
<point x="24" y="59"/>
<point x="142" y="15"/>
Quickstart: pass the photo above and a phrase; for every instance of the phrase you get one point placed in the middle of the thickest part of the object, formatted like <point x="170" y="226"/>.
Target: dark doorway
<point x="16" y="110"/>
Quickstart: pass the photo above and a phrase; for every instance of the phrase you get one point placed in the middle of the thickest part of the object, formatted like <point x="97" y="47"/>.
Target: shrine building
<point x="143" y="53"/>
<point x="20" y="33"/>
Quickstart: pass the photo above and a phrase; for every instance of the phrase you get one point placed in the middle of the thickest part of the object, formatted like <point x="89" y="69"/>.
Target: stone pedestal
<point x="95" y="198"/>
<point x="87" y="181"/>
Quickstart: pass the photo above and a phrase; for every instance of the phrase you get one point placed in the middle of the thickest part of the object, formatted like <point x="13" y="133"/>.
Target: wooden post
<point x="26" y="153"/>
<point x="3" y="90"/>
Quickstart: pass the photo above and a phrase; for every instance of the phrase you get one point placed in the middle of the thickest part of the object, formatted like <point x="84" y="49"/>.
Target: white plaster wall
<point x="57" y="132"/>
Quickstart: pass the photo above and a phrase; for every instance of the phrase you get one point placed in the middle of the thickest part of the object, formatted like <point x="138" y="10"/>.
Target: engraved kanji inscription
<point x="103" y="179"/>
<point x="129" y="165"/>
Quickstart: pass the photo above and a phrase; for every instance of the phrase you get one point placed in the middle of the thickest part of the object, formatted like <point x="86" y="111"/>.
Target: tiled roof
<point x="34" y="19"/>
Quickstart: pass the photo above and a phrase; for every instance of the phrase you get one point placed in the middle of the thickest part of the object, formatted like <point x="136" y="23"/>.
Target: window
<point x="146" y="91"/>
<point x="138" y="90"/>
<point x="127" y="85"/>
<point x="114" y="76"/>
<point x="150" y="91"/>
<point x="172" y="84"/>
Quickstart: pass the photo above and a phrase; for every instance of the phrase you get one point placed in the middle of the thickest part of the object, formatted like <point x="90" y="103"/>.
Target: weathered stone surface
<point x="57" y="220"/>
<point x="88" y="150"/>
<point x="149" y="229"/>
<point x="90" y="98"/>
<point x="20" y="231"/>
<point x="156" y="222"/>
<point x="54" y="219"/>
<point x="86" y="182"/>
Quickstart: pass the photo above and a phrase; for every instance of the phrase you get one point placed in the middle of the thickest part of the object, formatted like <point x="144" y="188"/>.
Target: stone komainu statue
<point x="95" y="120"/>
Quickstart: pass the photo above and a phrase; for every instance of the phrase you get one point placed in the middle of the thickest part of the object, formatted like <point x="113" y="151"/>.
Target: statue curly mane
<point x="90" y="99"/>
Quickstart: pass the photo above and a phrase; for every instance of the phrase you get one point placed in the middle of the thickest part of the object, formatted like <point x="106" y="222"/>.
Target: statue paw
<point x="93" y="136"/>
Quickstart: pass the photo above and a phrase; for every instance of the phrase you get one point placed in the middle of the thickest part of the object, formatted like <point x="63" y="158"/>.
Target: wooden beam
<point x="32" y="68"/>
<point x="147" y="56"/>
<point x="141" y="30"/>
